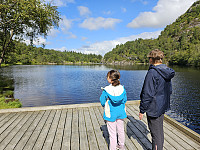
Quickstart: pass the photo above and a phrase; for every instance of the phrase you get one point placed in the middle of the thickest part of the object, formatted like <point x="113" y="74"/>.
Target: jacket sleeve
<point x="103" y="98"/>
<point x="125" y="97"/>
<point x="147" y="93"/>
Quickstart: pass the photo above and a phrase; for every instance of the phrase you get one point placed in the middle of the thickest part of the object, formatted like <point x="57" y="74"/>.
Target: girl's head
<point x="113" y="77"/>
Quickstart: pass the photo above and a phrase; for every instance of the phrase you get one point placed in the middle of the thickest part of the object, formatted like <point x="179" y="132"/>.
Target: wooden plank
<point x="102" y="124"/>
<point x="181" y="137"/>
<point x="140" y="125"/>
<point x="75" y="131"/>
<point x="43" y="135"/>
<point x="32" y="140"/>
<point x="129" y="142"/>
<point x="22" y="119"/>
<point x="8" y="126"/>
<point x="52" y="131"/>
<point x="90" y="131"/>
<point x="27" y="135"/>
<point x="60" y="131"/>
<point x="176" y="135"/>
<point x="67" y="131"/>
<point x="100" y="140"/>
<point x="140" y="132"/>
<point x="21" y="131"/>
<point x="129" y="136"/>
<point x="82" y="131"/>
<point x="9" y="118"/>
<point x="168" y="143"/>
<point x="3" y="116"/>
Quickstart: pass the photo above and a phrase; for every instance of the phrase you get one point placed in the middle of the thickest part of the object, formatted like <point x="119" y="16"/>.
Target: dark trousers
<point x="156" y="129"/>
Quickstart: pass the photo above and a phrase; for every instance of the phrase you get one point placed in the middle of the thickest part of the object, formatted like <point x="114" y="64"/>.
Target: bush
<point x="9" y="103"/>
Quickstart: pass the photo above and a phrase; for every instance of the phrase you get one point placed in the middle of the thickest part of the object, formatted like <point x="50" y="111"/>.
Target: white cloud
<point x="84" y="38"/>
<point x="65" y="25"/>
<point x="107" y="12"/>
<point x="142" y="1"/>
<point x="106" y="46"/>
<point x="62" y="49"/>
<point x="164" y="13"/>
<point x="98" y="23"/>
<point x="53" y="32"/>
<point x="123" y="9"/>
<point x="37" y="42"/>
<point x="60" y="3"/>
<point x="84" y="11"/>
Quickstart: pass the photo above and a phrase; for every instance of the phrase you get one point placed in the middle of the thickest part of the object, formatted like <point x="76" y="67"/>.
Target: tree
<point x="25" y="18"/>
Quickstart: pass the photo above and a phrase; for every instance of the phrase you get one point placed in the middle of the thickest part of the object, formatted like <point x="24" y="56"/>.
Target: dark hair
<point x="114" y="75"/>
<point x="156" y="55"/>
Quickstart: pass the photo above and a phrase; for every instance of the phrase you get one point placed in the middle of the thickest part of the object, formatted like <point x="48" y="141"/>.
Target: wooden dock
<point x="81" y="127"/>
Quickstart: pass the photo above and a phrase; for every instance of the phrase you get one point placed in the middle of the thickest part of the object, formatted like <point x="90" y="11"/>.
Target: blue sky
<point x="97" y="26"/>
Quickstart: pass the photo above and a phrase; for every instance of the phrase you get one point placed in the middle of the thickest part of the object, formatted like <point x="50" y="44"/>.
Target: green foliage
<point x="24" y="18"/>
<point x="6" y="94"/>
<point x="24" y="54"/>
<point x="180" y="42"/>
<point x="5" y="103"/>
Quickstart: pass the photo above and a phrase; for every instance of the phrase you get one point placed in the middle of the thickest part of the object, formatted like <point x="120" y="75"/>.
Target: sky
<point x="97" y="26"/>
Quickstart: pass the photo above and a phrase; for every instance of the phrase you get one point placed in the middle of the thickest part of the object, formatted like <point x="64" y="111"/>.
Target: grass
<point x="7" y="100"/>
<point x="9" y="103"/>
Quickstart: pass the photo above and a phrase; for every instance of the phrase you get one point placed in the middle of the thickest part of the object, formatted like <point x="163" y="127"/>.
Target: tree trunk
<point x="1" y="58"/>
<point x="5" y="47"/>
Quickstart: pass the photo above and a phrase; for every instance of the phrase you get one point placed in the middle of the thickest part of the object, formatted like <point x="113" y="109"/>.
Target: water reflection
<point x="42" y="85"/>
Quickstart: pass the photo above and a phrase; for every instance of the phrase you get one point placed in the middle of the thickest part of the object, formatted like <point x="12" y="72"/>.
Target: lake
<point x="44" y="85"/>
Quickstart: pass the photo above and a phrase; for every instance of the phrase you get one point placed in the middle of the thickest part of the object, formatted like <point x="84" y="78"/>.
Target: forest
<point x="27" y="54"/>
<point x="180" y="42"/>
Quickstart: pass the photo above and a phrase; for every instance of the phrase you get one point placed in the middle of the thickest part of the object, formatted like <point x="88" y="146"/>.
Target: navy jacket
<point x="156" y="91"/>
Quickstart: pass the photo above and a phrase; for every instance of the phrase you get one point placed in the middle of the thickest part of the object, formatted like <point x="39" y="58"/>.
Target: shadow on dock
<point x="135" y="129"/>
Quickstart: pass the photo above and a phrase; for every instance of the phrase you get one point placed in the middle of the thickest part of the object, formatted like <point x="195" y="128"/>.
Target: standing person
<point x="155" y="96"/>
<point x="113" y="98"/>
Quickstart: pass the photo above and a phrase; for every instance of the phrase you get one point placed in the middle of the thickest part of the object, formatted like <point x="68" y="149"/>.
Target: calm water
<point x="43" y="85"/>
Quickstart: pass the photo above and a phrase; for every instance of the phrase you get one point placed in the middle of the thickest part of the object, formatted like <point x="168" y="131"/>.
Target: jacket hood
<point x="115" y="93"/>
<point x="166" y="72"/>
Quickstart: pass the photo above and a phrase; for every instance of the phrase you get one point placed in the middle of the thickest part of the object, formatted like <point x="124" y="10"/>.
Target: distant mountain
<point x="180" y="42"/>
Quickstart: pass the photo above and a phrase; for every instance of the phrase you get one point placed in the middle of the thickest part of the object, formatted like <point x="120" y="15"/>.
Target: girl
<point x="114" y="98"/>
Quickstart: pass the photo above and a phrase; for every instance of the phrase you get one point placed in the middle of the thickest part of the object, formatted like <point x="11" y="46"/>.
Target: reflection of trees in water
<point x="7" y="99"/>
<point x="6" y="84"/>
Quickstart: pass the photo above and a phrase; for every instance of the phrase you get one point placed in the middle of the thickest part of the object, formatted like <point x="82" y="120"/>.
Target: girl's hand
<point x="140" y="116"/>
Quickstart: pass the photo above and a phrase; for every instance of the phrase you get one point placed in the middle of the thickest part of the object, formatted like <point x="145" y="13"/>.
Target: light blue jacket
<point x="117" y="99"/>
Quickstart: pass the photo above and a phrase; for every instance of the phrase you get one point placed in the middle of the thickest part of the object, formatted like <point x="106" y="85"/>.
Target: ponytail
<point x="114" y="75"/>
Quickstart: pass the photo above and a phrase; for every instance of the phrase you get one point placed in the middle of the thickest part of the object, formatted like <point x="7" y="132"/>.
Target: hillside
<point x="180" y="42"/>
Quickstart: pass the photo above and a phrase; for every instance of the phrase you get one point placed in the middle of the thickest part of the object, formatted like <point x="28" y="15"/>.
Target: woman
<point x="155" y="96"/>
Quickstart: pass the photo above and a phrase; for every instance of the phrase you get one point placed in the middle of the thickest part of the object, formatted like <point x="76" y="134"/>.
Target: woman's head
<point x="156" y="56"/>
<point x="113" y="77"/>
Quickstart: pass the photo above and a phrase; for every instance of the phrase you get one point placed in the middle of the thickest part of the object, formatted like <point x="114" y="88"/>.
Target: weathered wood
<point x="67" y="131"/>
<point x="83" y="128"/>
<point x="100" y="140"/>
<point x="52" y="131"/>
<point x="90" y="131"/>
<point x="27" y="135"/>
<point x="60" y="131"/>
<point x="43" y="134"/>
<point x="3" y="116"/>
<point x="21" y="131"/>
<point x="75" y="131"/>
<point x="128" y="143"/>
<point x="19" y="123"/>
<point x="31" y="142"/>
<point x="82" y="131"/>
